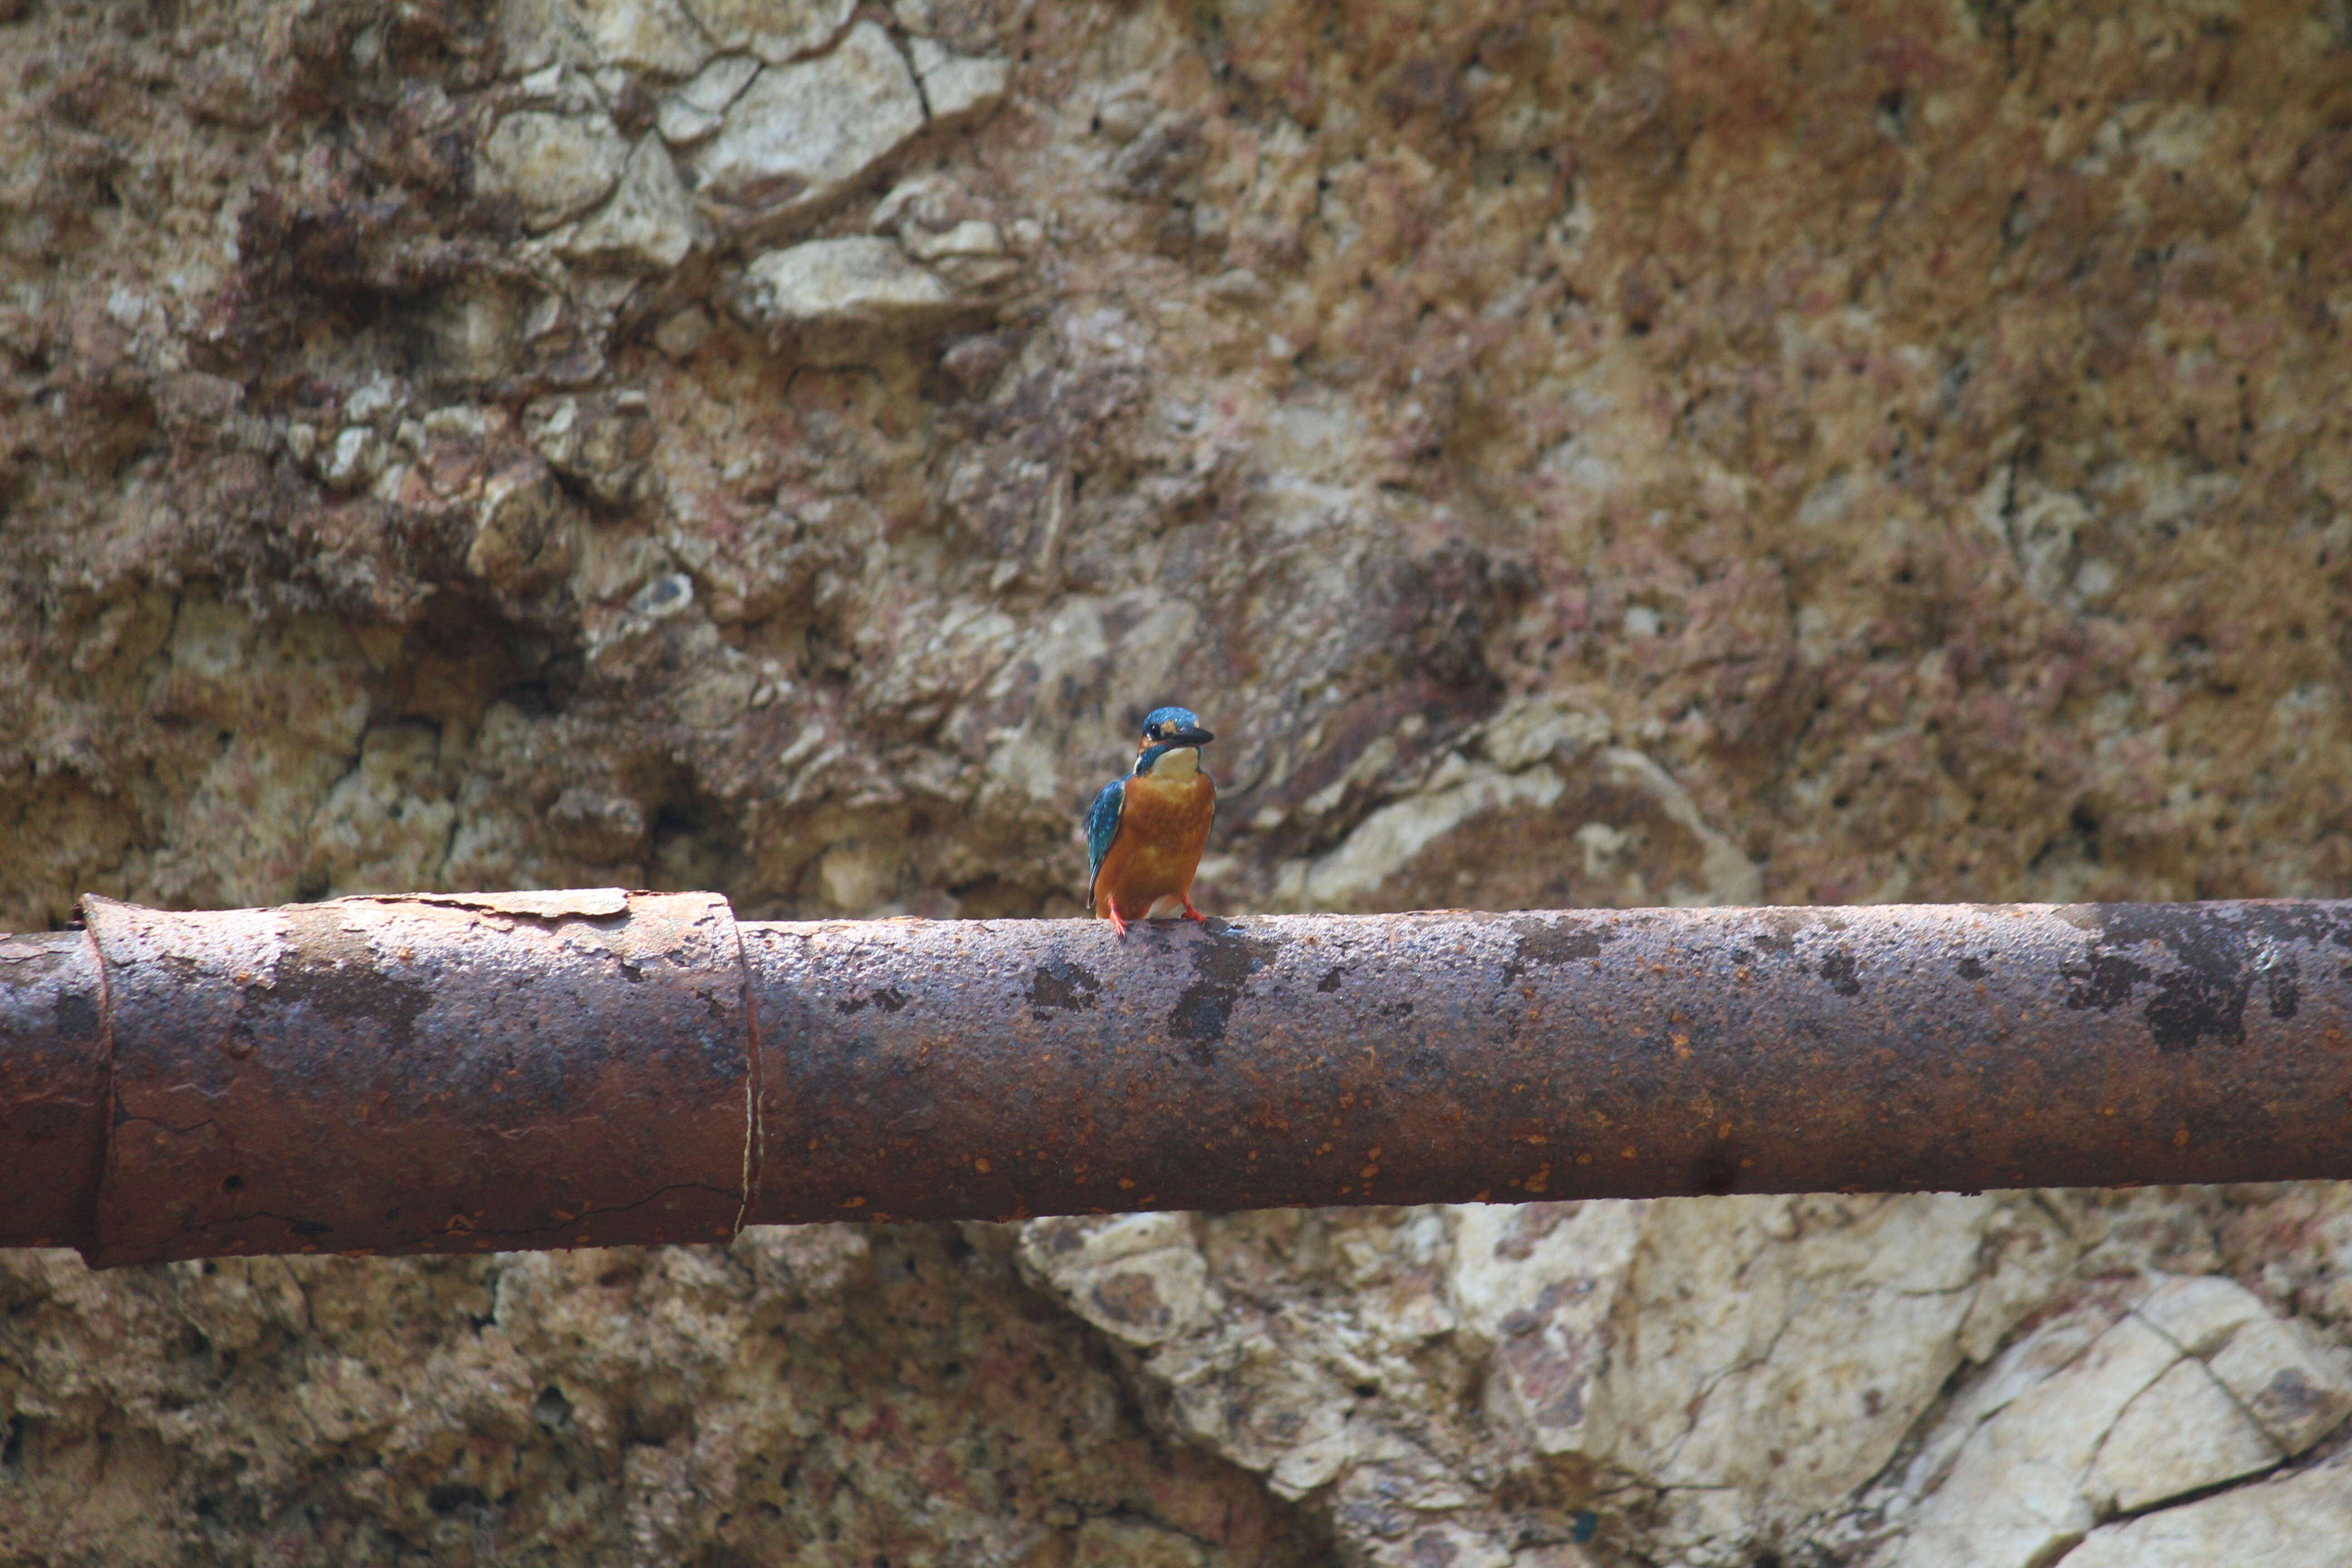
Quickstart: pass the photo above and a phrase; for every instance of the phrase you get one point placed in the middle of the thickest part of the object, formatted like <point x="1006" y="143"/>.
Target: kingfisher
<point x="1146" y="831"/>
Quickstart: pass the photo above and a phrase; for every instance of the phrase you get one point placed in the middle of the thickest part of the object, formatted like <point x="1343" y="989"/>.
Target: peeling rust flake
<point x="577" y="903"/>
<point x="348" y="1076"/>
<point x="1550" y="940"/>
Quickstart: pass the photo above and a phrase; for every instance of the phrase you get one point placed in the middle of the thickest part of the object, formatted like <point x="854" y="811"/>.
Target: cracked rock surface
<point x="1675" y="454"/>
<point x="1892" y="1381"/>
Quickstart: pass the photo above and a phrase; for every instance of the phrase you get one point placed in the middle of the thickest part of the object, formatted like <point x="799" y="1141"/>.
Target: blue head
<point x="1167" y="730"/>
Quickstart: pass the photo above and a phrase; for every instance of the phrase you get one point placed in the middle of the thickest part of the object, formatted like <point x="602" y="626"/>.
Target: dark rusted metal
<point x="427" y="1074"/>
<point x="53" y="1061"/>
<point x="547" y="1069"/>
<point x="1013" y="1068"/>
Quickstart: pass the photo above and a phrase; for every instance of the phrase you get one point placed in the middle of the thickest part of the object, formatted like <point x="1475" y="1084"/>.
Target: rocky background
<point x="1597" y="455"/>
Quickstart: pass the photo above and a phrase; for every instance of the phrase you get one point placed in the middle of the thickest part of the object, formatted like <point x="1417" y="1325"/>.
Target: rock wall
<point x="1664" y="453"/>
<point x="812" y="1395"/>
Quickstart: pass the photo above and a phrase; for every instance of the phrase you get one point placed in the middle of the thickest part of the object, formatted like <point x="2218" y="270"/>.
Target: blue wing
<point x="1102" y="827"/>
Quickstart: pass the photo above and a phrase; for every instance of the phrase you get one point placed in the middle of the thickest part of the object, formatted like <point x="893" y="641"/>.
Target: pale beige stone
<point x="649" y="223"/>
<point x="959" y="88"/>
<point x="2200" y="1312"/>
<point x="656" y="35"/>
<point x="1138" y="1278"/>
<point x="1543" y="1287"/>
<point x="2013" y="1497"/>
<point x="536" y="34"/>
<point x="556" y="166"/>
<point x="856" y="282"/>
<point x="650" y="36"/>
<point x="800" y="134"/>
<point x="2269" y="1367"/>
<point x="355" y="456"/>
<point x="1531" y="730"/>
<point x="1396" y="841"/>
<point x="1775" y="1352"/>
<point x="684" y="332"/>
<point x="698" y="108"/>
<point x="926" y="201"/>
<point x="972" y="236"/>
<point x="2272" y="1370"/>
<point x="775" y="30"/>
<point x="2054" y="1437"/>
<point x="1392" y="838"/>
<point x="2300" y="1521"/>
<point x="1628" y="1336"/>
<point x="2181" y="1434"/>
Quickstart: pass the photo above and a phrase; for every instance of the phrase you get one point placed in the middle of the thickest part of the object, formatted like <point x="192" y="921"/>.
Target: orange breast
<point x="1163" y="826"/>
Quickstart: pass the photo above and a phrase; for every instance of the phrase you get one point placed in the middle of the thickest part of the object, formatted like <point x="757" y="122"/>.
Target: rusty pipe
<point x="459" y="1073"/>
<point x="417" y="1074"/>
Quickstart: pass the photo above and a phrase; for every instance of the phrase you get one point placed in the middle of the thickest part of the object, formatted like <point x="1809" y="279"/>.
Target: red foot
<point x="1190" y="912"/>
<point x="1110" y="907"/>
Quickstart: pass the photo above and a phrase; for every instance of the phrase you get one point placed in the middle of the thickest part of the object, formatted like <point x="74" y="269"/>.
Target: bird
<point x="1146" y="830"/>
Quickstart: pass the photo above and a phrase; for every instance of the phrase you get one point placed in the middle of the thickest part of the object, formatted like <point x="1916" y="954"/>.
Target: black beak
<point x="1188" y="738"/>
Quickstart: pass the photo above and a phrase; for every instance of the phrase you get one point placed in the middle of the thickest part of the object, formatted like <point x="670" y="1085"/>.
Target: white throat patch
<point x="1177" y="766"/>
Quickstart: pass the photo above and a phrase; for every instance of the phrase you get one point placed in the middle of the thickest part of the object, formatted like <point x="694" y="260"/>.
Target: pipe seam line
<point x="446" y="1073"/>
